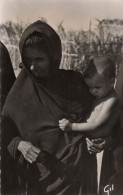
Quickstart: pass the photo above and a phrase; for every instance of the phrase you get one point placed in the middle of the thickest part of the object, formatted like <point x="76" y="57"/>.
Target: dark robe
<point x="7" y="80"/>
<point x="7" y="73"/>
<point x="119" y="83"/>
<point x="119" y="90"/>
<point x="31" y="113"/>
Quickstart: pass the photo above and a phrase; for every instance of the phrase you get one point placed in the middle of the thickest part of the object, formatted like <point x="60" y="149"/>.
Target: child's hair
<point x="100" y="64"/>
<point x="36" y="40"/>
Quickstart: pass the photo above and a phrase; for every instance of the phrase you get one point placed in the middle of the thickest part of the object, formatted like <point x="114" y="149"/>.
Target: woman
<point x="49" y="161"/>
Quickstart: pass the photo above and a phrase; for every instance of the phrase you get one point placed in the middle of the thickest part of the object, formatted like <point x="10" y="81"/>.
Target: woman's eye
<point x="40" y="59"/>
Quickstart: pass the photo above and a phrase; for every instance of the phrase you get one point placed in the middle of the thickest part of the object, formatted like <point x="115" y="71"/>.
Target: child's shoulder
<point x="112" y="98"/>
<point x="112" y="103"/>
<point x="108" y="103"/>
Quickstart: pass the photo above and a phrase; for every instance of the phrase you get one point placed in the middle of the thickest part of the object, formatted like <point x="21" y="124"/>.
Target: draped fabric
<point x="7" y="73"/>
<point x="119" y="83"/>
<point x="31" y="113"/>
<point x="119" y="90"/>
<point x="36" y="114"/>
<point x="7" y="80"/>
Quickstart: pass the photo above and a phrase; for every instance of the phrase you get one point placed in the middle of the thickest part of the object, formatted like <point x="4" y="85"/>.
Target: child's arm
<point x="103" y="124"/>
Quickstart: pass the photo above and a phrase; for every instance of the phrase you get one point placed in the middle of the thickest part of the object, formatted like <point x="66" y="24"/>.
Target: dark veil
<point x="7" y="77"/>
<point x="7" y="73"/>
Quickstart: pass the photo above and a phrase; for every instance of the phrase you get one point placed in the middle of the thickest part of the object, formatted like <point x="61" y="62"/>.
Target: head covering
<point x="7" y="73"/>
<point x="51" y="39"/>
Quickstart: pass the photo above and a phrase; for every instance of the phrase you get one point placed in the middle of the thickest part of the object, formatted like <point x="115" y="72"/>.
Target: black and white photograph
<point x="61" y="97"/>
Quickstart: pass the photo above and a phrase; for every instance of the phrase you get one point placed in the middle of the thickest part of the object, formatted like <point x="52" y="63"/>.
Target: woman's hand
<point x="29" y="151"/>
<point x="64" y="125"/>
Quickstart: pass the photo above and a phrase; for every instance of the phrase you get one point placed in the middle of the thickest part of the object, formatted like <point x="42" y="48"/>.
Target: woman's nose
<point x="32" y="67"/>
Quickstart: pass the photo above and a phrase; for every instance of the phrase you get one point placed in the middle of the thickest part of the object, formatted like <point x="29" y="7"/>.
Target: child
<point x="100" y="78"/>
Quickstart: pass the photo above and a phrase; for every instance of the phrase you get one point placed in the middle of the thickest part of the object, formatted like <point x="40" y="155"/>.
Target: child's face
<point x="37" y="61"/>
<point x="99" y="86"/>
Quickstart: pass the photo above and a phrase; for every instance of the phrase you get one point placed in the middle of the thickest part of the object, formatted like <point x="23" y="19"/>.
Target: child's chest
<point x="97" y="107"/>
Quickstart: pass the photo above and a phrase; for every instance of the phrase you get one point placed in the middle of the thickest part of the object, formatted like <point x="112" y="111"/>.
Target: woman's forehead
<point x="33" y="51"/>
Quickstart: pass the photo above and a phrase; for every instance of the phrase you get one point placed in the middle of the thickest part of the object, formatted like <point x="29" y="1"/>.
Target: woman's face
<point x="37" y="61"/>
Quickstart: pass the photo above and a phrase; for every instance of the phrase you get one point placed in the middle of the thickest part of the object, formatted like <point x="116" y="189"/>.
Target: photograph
<point x="61" y="97"/>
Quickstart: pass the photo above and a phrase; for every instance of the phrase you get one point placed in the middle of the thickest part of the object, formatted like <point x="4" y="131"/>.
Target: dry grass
<point x="77" y="46"/>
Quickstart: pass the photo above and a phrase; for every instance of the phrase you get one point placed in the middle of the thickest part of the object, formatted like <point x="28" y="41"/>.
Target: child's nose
<point x="92" y="90"/>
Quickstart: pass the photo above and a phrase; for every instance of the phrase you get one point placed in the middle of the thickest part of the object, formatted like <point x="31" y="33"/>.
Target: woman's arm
<point x="10" y="137"/>
<point x="13" y="142"/>
<point x="103" y="123"/>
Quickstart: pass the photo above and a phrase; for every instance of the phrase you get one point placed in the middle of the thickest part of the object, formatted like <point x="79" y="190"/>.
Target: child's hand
<point x="64" y="125"/>
<point x="95" y="145"/>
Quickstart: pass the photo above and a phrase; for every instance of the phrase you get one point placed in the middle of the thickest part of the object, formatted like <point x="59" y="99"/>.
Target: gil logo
<point x="108" y="189"/>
